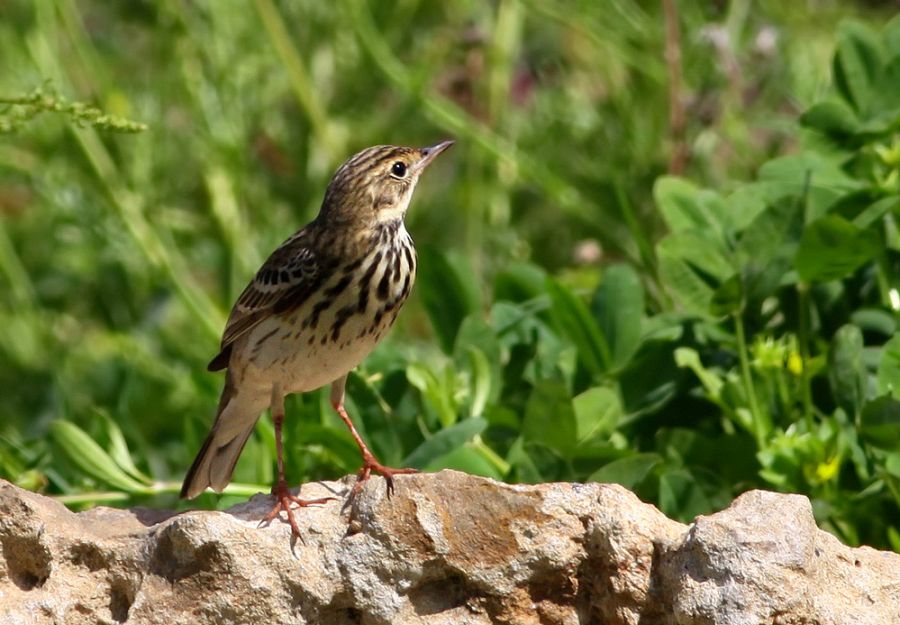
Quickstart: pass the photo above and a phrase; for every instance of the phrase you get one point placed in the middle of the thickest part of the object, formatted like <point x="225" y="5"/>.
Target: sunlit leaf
<point x="466" y="459"/>
<point x="444" y="441"/>
<point x="478" y="349"/>
<point x="693" y="265"/>
<point x="816" y="178"/>
<point x="629" y="471"/>
<point x="687" y="207"/>
<point x="597" y="412"/>
<point x="438" y="396"/>
<point x="118" y="449"/>
<point x="81" y="450"/>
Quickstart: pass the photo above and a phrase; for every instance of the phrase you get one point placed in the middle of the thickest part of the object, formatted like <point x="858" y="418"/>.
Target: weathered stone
<point x="764" y="561"/>
<point x="447" y="548"/>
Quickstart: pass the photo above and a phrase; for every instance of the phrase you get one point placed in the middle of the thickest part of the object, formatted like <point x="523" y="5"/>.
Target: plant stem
<point x="748" y="380"/>
<point x="803" y="346"/>
<point x="157" y="488"/>
<point x="490" y="455"/>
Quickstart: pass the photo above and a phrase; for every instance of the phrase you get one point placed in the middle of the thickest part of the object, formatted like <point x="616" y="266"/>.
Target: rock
<point x="447" y="548"/>
<point x="764" y="561"/>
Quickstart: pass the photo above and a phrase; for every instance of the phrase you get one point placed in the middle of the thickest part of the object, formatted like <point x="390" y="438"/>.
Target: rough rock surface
<point x="447" y="548"/>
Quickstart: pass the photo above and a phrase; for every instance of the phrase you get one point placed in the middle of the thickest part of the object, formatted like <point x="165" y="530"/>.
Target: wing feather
<point x="290" y="274"/>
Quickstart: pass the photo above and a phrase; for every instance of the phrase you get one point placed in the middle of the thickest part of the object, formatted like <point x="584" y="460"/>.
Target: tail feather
<point x="216" y="459"/>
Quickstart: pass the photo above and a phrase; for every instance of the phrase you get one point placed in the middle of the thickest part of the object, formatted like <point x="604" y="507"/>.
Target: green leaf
<point x="880" y="423"/>
<point x="466" y="459"/>
<point x="629" y="471"/>
<point x="447" y="293"/>
<point x="81" y="450"/>
<point x="815" y="177"/>
<point x="575" y="321"/>
<point x="891" y="36"/>
<point x="444" y="442"/>
<point x="685" y="207"/>
<point x="481" y="380"/>
<point x="728" y="299"/>
<point x="478" y="349"/>
<point x="833" y="248"/>
<point x="651" y="378"/>
<point x="846" y="370"/>
<point x="336" y="444"/>
<point x="692" y="266"/>
<point x="437" y="395"/>
<point x="680" y="496"/>
<point x="597" y="413"/>
<point x="525" y="470"/>
<point x="618" y="307"/>
<point x="831" y="117"/>
<point x="876" y="211"/>
<point x="884" y="105"/>
<point x="874" y="320"/>
<point x="892" y="464"/>
<point x="857" y="63"/>
<point x="765" y="252"/>
<point x="889" y="368"/>
<point x="746" y="203"/>
<point x="118" y="450"/>
<point x="774" y="233"/>
<point x="712" y="382"/>
<point x="550" y="418"/>
<point x="519" y="282"/>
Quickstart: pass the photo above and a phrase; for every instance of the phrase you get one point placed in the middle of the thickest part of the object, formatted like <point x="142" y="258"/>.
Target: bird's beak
<point x="430" y="153"/>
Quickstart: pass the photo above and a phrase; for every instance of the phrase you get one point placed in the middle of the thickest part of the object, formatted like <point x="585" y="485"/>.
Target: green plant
<point x="19" y="110"/>
<point x="734" y="338"/>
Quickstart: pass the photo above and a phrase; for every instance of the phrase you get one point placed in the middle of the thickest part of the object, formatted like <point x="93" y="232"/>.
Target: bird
<point x="316" y="308"/>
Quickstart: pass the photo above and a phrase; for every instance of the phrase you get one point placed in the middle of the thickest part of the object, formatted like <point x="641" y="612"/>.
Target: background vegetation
<point x="581" y="313"/>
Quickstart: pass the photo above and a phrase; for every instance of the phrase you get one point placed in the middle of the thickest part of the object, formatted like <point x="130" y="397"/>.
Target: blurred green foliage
<point x="579" y="314"/>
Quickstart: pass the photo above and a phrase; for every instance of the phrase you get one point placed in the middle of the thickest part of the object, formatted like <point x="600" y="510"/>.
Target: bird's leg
<point x="370" y="462"/>
<point x="283" y="496"/>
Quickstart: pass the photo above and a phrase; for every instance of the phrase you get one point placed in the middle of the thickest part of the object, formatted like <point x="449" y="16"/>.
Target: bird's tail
<point x="215" y="462"/>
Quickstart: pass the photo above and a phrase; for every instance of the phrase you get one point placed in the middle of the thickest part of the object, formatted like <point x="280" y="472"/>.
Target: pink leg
<point x="283" y="496"/>
<point x="370" y="463"/>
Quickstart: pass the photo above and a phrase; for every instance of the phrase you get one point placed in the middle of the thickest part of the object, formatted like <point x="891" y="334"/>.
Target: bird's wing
<point x="286" y="279"/>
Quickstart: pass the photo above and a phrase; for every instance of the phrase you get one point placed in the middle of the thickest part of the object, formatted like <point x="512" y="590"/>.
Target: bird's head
<point x="375" y="186"/>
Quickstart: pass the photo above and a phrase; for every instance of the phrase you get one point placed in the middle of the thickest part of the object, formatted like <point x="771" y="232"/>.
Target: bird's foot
<point x="283" y="501"/>
<point x="371" y="464"/>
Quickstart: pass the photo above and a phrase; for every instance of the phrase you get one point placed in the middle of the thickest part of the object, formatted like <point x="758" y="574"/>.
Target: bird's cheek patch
<point x="385" y="200"/>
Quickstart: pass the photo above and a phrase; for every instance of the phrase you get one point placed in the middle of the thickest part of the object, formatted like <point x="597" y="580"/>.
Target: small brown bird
<point x="320" y="303"/>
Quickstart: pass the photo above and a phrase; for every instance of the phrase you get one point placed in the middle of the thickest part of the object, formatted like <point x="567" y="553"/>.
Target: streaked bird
<point x="318" y="305"/>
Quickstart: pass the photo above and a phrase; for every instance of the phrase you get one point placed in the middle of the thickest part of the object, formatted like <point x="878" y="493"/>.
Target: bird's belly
<point x="303" y="357"/>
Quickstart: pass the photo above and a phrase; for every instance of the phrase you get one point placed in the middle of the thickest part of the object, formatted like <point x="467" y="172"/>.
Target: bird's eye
<point x="398" y="169"/>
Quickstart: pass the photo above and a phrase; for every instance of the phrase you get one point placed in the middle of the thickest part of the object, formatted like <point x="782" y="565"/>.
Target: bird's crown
<point x="376" y="184"/>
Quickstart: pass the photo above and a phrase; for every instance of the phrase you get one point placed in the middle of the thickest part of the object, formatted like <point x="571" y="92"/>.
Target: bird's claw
<point x="370" y="464"/>
<point x="283" y="501"/>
